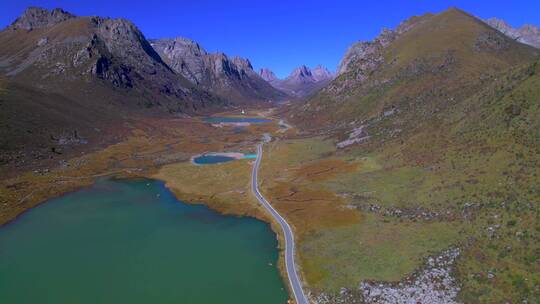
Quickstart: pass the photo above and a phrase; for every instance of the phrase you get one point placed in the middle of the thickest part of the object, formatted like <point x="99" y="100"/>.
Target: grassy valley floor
<point x="360" y="214"/>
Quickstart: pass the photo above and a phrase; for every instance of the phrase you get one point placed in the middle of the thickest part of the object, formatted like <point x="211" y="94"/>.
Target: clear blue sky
<point x="272" y="33"/>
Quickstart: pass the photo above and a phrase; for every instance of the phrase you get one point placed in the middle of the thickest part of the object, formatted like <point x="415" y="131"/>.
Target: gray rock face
<point x="35" y="17"/>
<point x="228" y="77"/>
<point x="184" y="56"/>
<point x="527" y="34"/>
<point x="301" y="82"/>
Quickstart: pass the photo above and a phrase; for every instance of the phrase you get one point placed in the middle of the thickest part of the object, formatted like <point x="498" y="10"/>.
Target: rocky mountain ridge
<point x="36" y="17"/>
<point x="302" y="81"/>
<point x="229" y="77"/>
<point x="367" y="52"/>
<point x="527" y="34"/>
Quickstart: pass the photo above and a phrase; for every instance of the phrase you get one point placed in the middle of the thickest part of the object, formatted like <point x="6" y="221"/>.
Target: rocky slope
<point x="528" y="34"/>
<point x="449" y="106"/>
<point x="63" y="75"/>
<point x="231" y="78"/>
<point x="301" y="82"/>
<point x="413" y="69"/>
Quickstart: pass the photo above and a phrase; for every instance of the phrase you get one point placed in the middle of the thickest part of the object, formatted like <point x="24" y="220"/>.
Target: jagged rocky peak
<point x="367" y="50"/>
<point x="499" y="24"/>
<point x="302" y="81"/>
<point x="191" y="60"/>
<point x="37" y="17"/>
<point x="301" y="72"/>
<point x="321" y="73"/>
<point x="527" y="34"/>
<point x="230" y="77"/>
<point x="267" y="74"/>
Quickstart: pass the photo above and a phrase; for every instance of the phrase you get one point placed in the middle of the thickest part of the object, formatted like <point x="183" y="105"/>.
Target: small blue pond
<point x="236" y="119"/>
<point x="217" y="158"/>
<point x="211" y="159"/>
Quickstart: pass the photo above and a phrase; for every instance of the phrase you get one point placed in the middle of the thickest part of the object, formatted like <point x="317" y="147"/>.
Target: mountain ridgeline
<point x="231" y="78"/>
<point x="527" y="34"/>
<point x="302" y="82"/>
<point x="417" y="70"/>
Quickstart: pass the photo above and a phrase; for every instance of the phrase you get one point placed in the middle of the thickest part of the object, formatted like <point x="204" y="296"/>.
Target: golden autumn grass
<point x="151" y="144"/>
<point x="338" y="244"/>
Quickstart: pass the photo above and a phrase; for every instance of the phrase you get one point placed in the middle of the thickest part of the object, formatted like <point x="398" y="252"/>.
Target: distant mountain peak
<point x="321" y="73"/>
<point x="37" y="17"/>
<point x="527" y="34"/>
<point x="301" y="72"/>
<point x="302" y="81"/>
<point x="267" y="74"/>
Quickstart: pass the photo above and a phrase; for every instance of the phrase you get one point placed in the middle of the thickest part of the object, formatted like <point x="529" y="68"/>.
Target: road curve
<point x="296" y="285"/>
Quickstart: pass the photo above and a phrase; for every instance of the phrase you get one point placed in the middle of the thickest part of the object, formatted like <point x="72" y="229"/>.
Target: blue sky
<point x="276" y="34"/>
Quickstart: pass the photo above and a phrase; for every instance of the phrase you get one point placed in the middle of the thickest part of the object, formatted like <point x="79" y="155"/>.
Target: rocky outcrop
<point x="232" y="78"/>
<point x="368" y="53"/>
<point x="36" y="17"/>
<point x="432" y="283"/>
<point x="301" y="82"/>
<point x="527" y="34"/>
<point x="183" y="55"/>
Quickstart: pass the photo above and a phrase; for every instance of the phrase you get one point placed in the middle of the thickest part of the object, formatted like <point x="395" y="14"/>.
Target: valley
<point x="408" y="176"/>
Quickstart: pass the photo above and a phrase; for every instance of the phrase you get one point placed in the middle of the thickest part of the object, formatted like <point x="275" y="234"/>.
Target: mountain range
<point x="302" y="81"/>
<point x="231" y="78"/>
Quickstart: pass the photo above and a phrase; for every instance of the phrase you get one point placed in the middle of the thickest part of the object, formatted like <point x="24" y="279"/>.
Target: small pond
<point x="215" y="157"/>
<point x="212" y="159"/>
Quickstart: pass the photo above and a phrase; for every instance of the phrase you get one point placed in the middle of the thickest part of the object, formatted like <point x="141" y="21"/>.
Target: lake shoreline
<point x="147" y="196"/>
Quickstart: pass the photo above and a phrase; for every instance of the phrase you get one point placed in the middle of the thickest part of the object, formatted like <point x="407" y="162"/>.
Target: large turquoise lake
<point x="133" y="242"/>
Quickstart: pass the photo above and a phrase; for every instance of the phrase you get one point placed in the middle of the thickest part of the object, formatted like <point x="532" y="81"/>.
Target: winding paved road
<point x="296" y="285"/>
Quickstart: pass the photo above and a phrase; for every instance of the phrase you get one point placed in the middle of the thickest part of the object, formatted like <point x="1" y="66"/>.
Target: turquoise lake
<point x="209" y="159"/>
<point x="212" y="159"/>
<point x="134" y="242"/>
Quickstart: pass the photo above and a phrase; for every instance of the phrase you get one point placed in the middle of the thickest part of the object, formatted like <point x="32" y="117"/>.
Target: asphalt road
<point x="296" y="285"/>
